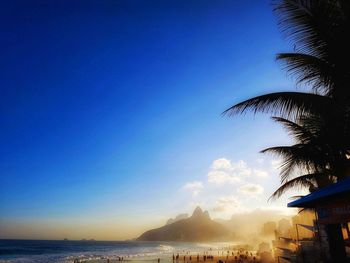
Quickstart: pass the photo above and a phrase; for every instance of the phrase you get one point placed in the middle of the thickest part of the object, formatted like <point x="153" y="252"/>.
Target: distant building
<point x="297" y="241"/>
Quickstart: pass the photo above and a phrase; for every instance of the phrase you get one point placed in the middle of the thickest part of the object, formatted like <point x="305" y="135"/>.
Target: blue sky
<point x="110" y="108"/>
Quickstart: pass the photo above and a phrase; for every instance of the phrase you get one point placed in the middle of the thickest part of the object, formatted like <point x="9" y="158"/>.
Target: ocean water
<point x="41" y="251"/>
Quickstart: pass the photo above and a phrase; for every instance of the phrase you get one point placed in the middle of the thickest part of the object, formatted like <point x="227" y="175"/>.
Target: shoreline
<point x="233" y="257"/>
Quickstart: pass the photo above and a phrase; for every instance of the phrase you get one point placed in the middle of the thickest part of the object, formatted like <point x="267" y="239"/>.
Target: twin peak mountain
<point x="198" y="227"/>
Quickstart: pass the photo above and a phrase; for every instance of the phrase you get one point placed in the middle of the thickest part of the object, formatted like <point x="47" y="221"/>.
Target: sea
<point x="28" y="251"/>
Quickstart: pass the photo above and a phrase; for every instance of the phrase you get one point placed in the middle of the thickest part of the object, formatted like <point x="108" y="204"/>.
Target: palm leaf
<point x="310" y="70"/>
<point x="286" y="104"/>
<point x="319" y="30"/>
<point x="306" y="180"/>
<point x="298" y="156"/>
<point x="299" y="132"/>
<point x="309" y="23"/>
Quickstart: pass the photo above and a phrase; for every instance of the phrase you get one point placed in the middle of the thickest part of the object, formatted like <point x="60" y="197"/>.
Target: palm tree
<point x="320" y="32"/>
<point x="306" y="163"/>
<point x="318" y="29"/>
<point x="319" y="119"/>
<point x="321" y="163"/>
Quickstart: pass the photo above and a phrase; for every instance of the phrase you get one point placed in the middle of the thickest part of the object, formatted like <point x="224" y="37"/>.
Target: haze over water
<point x="67" y="251"/>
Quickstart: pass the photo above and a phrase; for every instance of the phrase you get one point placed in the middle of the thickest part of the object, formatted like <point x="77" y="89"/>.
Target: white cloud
<point x="241" y="168"/>
<point x="251" y="189"/>
<point x="260" y="173"/>
<point x="224" y="204"/>
<point x="195" y="187"/>
<point x="221" y="177"/>
<point x="224" y="171"/>
<point x="221" y="164"/>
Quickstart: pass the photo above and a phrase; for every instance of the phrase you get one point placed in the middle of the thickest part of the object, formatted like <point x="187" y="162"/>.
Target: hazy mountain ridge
<point x="177" y="218"/>
<point x="198" y="227"/>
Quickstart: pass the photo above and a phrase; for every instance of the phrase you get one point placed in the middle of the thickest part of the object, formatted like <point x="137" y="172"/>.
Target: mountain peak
<point x="197" y="212"/>
<point x="198" y="227"/>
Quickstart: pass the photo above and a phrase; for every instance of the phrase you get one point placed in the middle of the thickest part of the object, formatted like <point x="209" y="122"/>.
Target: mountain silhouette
<point x="198" y="227"/>
<point x="177" y="218"/>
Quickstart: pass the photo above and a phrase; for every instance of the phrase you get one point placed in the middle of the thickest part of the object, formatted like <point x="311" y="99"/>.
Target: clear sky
<point x="111" y="113"/>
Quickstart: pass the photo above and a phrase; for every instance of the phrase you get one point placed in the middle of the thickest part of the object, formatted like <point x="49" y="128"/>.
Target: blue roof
<point x="340" y="187"/>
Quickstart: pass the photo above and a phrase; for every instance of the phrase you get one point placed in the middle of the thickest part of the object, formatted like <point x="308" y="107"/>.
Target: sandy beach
<point x="224" y="257"/>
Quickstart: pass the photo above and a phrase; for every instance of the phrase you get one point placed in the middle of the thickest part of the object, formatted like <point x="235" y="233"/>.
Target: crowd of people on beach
<point x="222" y="256"/>
<point x="205" y="257"/>
<point x="237" y="256"/>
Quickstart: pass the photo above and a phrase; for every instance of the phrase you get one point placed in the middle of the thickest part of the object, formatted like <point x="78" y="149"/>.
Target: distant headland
<point x="198" y="227"/>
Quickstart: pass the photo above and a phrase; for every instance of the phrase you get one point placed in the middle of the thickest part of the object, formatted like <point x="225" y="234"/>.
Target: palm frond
<point x="298" y="156"/>
<point x="318" y="29"/>
<point x="306" y="209"/>
<point x="286" y="104"/>
<point x="309" y="69"/>
<point x="299" y="132"/>
<point x="306" y="180"/>
<point x="309" y="23"/>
